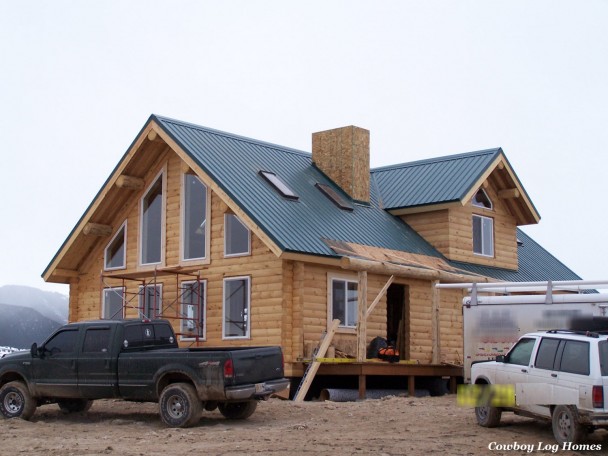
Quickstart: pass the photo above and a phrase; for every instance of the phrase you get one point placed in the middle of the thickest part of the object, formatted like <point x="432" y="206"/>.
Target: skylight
<point x="279" y="185"/>
<point x="334" y="197"/>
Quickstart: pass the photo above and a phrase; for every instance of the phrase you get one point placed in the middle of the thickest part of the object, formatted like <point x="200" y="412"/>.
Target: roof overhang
<point x="120" y="193"/>
<point x="501" y="176"/>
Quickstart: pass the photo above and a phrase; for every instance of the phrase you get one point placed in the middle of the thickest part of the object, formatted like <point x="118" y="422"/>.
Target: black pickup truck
<point x="138" y="360"/>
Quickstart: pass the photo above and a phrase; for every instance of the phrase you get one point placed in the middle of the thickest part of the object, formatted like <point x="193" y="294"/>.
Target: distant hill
<point x="50" y="304"/>
<point x="29" y="315"/>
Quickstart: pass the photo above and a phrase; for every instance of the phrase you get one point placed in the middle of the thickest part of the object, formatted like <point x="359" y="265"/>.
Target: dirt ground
<point x="388" y="426"/>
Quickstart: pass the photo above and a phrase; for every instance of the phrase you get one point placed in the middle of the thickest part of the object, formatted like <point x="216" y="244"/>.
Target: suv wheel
<point x="566" y="425"/>
<point x="488" y="416"/>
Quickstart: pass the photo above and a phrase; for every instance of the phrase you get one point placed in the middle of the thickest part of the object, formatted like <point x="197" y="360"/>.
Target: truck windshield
<point x="603" y="346"/>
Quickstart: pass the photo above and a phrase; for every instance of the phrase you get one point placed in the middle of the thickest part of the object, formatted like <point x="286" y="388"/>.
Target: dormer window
<point x="481" y="199"/>
<point x="483" y="236"/>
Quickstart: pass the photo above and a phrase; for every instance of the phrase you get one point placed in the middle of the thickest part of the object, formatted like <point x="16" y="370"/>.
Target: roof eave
<point x="86" y="216"/>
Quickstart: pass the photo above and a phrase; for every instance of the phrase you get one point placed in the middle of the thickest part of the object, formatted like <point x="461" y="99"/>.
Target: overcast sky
<point x="428" y="78"/>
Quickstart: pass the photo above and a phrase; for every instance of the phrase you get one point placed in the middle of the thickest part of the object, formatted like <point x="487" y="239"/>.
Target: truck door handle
<point x="554" y="375"/>
<point x="525" y="371"/>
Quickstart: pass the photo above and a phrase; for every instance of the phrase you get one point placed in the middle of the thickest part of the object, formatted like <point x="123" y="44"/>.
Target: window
<point x="150" y="301"/>
<point x="152" y="223"/>
<point x="545" y="359"/>
<point x="481" y="199"/>
<point x="237" y="240"/>
<point x="344" y="302"/>
<point x="575" y="359"/>
<point x="521" y="352"/>
<point x="62" y="342"/>
<point x="194" y="221"/>
<point x="279" y="185"/>
<point x="115" y="252"/>
<point x="193" y="310"/>
<point x="334" y="197"/>
<point x="113" y="302"/>
<point x="483" y="235"/>
<point x="133" y="336"/>
<point x="96" y="340"/>
<point x="236" y="308"/>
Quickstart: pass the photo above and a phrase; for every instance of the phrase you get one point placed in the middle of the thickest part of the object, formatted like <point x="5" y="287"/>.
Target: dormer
<point x="467" y="206"/>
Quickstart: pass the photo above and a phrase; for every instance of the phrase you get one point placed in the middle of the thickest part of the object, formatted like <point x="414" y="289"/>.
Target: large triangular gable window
<point x="481" y="199"/>
<point x="151" y="236"/>
<point x="115" y="252"/>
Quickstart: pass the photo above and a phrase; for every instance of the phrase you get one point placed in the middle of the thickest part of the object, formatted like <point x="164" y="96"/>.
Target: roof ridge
<point x="426" y="161"/>
<point x="226" y="134"/>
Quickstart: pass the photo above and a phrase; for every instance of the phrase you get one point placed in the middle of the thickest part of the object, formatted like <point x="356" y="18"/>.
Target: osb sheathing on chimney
<point x="343" y="155"/>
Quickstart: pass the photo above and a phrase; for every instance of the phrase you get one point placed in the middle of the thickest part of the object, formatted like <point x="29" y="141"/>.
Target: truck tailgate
<point x="253" y="365"/>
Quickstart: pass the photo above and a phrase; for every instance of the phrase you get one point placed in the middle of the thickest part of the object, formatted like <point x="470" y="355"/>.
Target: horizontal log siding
<point x="315" y="307"/>
<point x="268" y="294"/>
<point x="451" y="232"/>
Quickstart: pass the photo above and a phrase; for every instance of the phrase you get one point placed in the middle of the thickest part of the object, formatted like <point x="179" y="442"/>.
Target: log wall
<point x="451" y="232"/>
<point x="265" y="270"/>
<point x="289" y="299"/>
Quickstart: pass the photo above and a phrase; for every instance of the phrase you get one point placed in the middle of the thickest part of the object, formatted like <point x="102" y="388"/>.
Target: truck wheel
<point x="74" y="405"/>
<point x="16" y="401"/>
<point x="567" y="426"/>
<point x="237" y="410"/>
<point x="488" y="416"/>
<point x="179" y="405"/>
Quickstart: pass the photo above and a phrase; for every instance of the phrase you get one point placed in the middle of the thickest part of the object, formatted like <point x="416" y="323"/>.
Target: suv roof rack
<point x="594" y="334"/>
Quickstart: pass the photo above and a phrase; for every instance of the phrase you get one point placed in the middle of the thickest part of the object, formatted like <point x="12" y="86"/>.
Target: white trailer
<point x="495" y="315"/>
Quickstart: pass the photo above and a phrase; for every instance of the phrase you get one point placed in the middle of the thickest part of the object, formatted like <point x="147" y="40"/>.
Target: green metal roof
<point x="301" y="225"/>
<point x="535" y="264"/>
<point x="433" y="181"/>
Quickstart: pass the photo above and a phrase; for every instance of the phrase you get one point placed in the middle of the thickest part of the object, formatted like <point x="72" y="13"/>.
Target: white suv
<point x="558" y="375"/>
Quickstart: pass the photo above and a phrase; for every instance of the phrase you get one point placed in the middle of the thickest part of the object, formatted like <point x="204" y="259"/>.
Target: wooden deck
<point x="362" y="370"/>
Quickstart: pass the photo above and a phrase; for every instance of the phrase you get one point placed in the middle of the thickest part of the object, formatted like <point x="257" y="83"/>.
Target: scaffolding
<point x="187" y="309"/>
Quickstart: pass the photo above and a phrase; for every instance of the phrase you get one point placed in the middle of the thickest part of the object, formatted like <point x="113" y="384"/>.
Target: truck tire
<point x="488" y="416"/>
<point x="567" y="426"/>
<point x="237" y="410"/>
<point x="74" y="405"/>
<point x="16" y="401"/>
<point x="179" y="405"/>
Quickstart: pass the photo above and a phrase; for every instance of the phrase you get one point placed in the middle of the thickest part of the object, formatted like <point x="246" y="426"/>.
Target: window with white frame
<point x="113" y="303"/>
<point x="151" y="238"/>
<point x="193" y="310"/>
<point x="194" y="218"/>
<point x="115" y="252"/>
<point x="481" y="199"/>
<point x="236" y="308"/>
<point x="483" y="235"/>
<point x="344" y="299"/>
<point x="237" y="238"/>
<point x="150" y="301"/>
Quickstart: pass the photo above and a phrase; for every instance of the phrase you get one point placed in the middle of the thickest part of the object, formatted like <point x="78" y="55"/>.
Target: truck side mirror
<point x="500" y="359"/>
<point x="34" y="350"/>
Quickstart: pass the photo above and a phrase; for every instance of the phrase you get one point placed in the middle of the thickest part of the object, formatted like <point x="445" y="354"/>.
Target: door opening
<point x="397" y="318"/>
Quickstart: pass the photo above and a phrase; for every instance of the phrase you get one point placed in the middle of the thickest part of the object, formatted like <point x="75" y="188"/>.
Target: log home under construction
<point x="242" y="242"/>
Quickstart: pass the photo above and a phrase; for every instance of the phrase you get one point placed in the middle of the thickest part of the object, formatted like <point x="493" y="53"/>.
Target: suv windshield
<point x="603" y="347"/>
